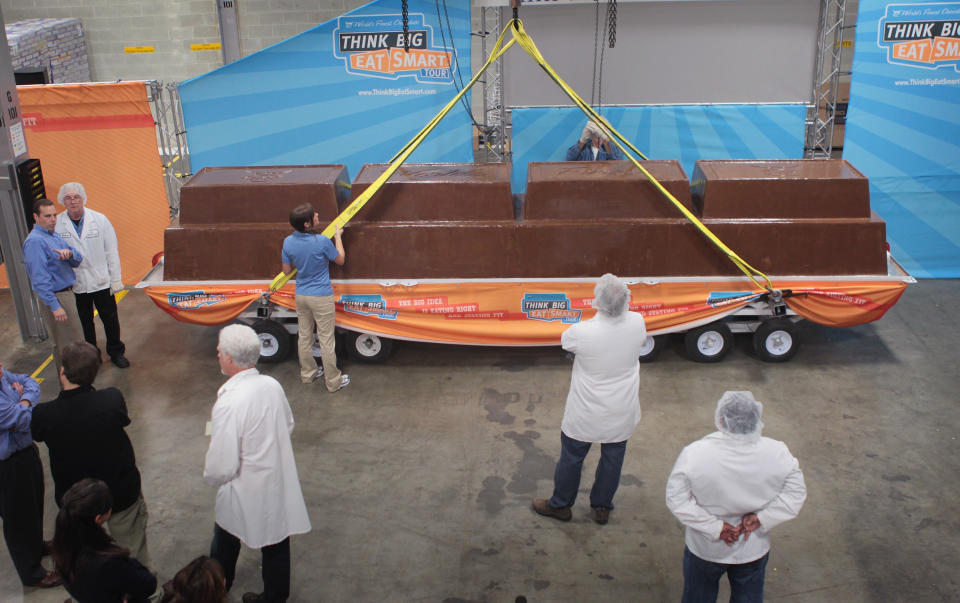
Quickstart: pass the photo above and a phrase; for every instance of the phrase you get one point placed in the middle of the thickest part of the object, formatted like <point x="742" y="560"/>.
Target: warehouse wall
<point x="739" y="51"/>
<point x="171" y="27"/>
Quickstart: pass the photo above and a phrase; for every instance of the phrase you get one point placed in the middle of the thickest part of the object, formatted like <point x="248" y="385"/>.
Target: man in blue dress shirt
<point x="50" y="262"/>
<point x="21" y="480"/>
<point x="312" y="253"/>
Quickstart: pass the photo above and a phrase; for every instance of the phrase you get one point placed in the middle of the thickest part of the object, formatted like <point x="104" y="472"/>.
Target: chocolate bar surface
<point x="262" y="194"/>
<point x="551" y="246"/>
<point x="783" y="188"/>
<point x="582" y="190"/>
<point x="436" y="191"/>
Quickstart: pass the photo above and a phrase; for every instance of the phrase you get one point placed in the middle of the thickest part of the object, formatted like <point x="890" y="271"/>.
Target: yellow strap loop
<point x="521" y="37"/>
<point x="397" y="160"/>
<point x="526" y="42"/>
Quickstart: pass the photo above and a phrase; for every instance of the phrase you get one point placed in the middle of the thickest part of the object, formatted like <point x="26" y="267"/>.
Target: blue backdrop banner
<point x="683" y="132"/>
<point x="903" y="127"/>
<point x="345" y="91"/>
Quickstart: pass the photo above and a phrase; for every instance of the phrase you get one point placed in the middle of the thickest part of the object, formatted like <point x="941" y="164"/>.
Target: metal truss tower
<point x="826" y="78"/>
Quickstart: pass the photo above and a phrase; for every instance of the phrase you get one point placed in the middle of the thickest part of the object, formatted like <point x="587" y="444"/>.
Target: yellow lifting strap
<point x="397" y="160"/>
<point x="521" y="37"/>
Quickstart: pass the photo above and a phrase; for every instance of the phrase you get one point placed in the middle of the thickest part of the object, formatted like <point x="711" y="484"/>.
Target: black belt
<point x="70" y="288"/>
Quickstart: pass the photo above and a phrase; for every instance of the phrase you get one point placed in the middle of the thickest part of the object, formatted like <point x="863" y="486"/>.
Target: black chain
<point x="406" y="25"/>
<point x="612" y="22"/>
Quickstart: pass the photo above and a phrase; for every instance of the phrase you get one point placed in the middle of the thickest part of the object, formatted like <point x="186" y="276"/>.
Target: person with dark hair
<point x="84" y="433"/>
<point x="94" y="568"/>
<point x="603" y="404"/>
<point x="200" y="581"/>
<point x="98" y="276"/>
<point x="50" y="262"/>
<point x="21" y="480"/>
<point x="311" y="254"/>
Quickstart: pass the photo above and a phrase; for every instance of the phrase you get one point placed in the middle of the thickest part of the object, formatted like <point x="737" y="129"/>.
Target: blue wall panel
<point x="903" y="128"/>
<point x="341" y="92"/>
<point x="683" y="132"/>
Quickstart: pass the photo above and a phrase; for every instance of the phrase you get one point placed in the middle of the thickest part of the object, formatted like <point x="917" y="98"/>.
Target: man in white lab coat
<point x="250" y="459"/>
<point x="98" y="276"/>
<point x="603" y="402"/>
<point x="729" y="489"/>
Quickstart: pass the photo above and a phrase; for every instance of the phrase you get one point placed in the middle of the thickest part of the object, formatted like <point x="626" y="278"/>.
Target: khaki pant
<point x="129" y="528"/>
<point x="62" y="333"/>
<point x="317" y="310"/>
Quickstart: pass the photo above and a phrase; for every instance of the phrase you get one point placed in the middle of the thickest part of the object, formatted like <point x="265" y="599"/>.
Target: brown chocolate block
<point x="394" y="250"/>
<point x="816" y="247"/>
<point x="579" y="246"/>
<point x="542" y="249"/>
<point x="571" y="249"/>
<point x="262" y="194"/>
<point x="577" y="190"/>
<point x="781" y="188"/>
<point x="436" y="191"/>
<point x="223" y="251"/>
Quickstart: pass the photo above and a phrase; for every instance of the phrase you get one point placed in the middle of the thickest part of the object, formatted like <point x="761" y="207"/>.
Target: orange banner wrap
<point x="102" y="136"/>
<point x="530" y="313"/>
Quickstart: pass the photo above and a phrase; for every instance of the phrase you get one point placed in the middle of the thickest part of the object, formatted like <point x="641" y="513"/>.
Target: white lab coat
<point x="97" y="243"/>
<point x="719" y="479"/>
<point x="603" y="404"/>
<point x="251" y="460"/>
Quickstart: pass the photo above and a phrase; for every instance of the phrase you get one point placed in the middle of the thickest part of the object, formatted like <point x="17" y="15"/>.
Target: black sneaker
<point x="121" y="361"/>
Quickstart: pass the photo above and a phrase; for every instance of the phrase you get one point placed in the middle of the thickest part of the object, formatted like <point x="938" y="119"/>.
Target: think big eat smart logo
<point x="921" y="35"/>
<point x="372" y="45"/>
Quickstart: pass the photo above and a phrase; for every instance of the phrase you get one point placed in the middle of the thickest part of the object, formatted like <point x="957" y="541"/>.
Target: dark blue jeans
<point x="275" y="563"/>
<point x="701" y="579"/>
<point x="566" y="478"/>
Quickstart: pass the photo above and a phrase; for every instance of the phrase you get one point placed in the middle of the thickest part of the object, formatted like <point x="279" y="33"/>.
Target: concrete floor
<point x="419" y="476"/>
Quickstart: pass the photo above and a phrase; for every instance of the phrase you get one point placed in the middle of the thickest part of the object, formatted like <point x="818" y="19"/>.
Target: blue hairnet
<point x="738" y="414"/>
<point x="611" y="295"/>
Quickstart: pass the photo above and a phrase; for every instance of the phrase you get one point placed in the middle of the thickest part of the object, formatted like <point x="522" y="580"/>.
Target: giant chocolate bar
<point x="463" y="246"/>
<point x="782" y="188"/>
<point x="437" y="191"/>
<point x="584" y="190"/>
<point x="656" y="247"/>
<point x="262" y="194"/>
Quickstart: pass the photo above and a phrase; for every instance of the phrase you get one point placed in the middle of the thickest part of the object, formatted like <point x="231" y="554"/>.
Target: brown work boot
<point x="601" y="515"/>
<point x="541" y="506"/>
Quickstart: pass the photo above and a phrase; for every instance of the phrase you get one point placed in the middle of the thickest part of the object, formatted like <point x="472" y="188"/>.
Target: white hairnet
<point x="72" y="187"/>
<point x="611" y="295"/>
<point x="738" y="414"/>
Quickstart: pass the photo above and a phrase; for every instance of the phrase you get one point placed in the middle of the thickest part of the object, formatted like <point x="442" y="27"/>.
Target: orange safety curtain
<point x="531" y="313"/>
<point x="102" y="136"/>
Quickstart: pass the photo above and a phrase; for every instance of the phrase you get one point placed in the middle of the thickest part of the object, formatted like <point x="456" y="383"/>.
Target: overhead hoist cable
<point x="520" y="36"/>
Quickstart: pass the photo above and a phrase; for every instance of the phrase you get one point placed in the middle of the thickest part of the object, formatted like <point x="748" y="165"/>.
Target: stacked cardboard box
<point x="54" y="45"/>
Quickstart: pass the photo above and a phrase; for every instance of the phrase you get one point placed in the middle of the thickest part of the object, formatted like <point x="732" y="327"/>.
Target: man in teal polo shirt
<point x="311" y="254"/>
